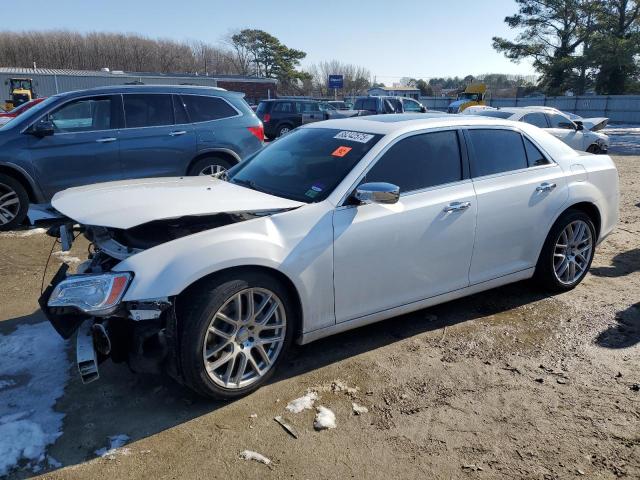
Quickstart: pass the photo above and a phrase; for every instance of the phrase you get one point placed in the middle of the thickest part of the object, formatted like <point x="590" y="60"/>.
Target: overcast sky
<point x="392" y="38"/>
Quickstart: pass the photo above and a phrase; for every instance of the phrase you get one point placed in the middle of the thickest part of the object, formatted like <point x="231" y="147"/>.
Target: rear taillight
<point x="266" y="118"/>
<point x="258" y="132"/>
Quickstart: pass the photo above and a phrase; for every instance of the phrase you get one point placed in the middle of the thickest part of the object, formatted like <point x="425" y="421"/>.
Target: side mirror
<point x="423" y="109"/>
<point x="579" y="125"/>
<point x="43" y="128"/>
<point x="377" y="192"/>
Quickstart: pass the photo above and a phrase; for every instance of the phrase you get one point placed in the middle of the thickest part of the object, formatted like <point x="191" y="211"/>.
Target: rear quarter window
<point x="204" y="109"/>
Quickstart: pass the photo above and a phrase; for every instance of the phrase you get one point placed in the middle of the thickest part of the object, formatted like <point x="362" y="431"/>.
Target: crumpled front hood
<point x="594" y="124"/>
<point x="127" y="203"/>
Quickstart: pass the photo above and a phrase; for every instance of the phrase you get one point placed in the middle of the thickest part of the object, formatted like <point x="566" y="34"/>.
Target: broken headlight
<point x="93" y="294"/>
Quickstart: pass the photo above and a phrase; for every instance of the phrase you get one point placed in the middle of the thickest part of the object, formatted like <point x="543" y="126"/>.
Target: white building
<point x="410" y="92"/>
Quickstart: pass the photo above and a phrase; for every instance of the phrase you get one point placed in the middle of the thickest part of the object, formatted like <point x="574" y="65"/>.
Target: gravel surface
<point x="510" y="383"/>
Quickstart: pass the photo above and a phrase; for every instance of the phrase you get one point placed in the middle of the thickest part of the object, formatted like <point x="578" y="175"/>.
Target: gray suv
<point x="120" y="132"/>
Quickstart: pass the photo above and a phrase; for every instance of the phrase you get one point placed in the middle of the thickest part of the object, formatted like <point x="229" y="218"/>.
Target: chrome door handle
<point x="457" y="206"/>
<point x="106" y="140"/>
<point x="545" y="187"/>
<point x="179" y="132"/>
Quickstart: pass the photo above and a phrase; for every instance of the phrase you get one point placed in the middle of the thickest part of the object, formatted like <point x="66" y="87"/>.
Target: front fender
<point x="298" y="243"/>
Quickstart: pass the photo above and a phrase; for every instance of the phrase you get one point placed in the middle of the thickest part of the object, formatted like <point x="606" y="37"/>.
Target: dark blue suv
<point x="120" y="132"/>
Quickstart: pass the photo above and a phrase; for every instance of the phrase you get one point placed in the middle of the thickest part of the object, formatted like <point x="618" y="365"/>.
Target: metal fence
<point x="618" y="108"/>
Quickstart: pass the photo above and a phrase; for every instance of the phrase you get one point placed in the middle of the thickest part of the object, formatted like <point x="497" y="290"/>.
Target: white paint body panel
<point x="127" y="203"/>
<point x="371" y="261"/>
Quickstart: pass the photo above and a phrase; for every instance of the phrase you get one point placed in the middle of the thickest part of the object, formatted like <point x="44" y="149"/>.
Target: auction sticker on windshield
<point x="341" y="151"/>
<point x="354" y="136"/>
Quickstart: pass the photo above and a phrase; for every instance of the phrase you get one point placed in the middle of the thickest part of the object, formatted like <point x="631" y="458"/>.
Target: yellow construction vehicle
<point x="20" y="91"/>
<point x="474" y="94"/>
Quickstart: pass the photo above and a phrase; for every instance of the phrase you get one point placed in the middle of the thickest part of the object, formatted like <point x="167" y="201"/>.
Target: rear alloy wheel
<point x="14" y="203"/>
<point x="568" y="252"/>
<point x="235" y="332"/>
<point x="209" y="166"/>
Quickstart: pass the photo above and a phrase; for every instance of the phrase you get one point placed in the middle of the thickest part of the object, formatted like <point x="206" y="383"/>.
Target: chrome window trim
<point x="239" y="113"/>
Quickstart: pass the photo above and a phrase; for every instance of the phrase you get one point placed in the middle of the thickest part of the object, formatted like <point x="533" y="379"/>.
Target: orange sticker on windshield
<point x="341" y="151"/>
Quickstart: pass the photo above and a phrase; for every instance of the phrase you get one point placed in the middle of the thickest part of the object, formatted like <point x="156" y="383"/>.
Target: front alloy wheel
<point x="244" y="338"/>
<point x="235" y="329"/>
<point x="14" y="202"/>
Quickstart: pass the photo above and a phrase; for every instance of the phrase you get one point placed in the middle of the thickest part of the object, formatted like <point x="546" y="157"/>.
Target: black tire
<point x="210" y="161"/>
<point x="545" y="275"/>
<point x="594" y="148"/>
<point x="9" y="186"/>
<point x="284" y="129"/>
<point x="196" y="309"/>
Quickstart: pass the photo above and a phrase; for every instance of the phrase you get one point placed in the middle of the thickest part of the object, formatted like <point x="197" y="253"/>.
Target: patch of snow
<point x="66" y="258"/>
<point x="325" y="419"/>
<point x="28" y="423"/>
<point x="115" y="442"/>
<point x="303" y="403"/>
<point x="358" y="409"/>
<point x="24" y="233"/>
<point x="258" y="457"/>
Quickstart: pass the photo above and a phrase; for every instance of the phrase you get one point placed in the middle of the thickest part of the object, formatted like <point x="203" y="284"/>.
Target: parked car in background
<point x="341" y="105"/>
<point x="331" y="112"/>
<point x="409" y="105"/>
<point x="593" y="123"/>
<point x="280" y="116"/>
<point x="120" y="132"/>
<point x="5" y="117"/>
<point x="381" y="105"/>
<point x="337" y="225"/>
<point x="555" y="122"/>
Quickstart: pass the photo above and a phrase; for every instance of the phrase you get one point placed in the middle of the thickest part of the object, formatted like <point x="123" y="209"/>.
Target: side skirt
<point x="412" y="307"/>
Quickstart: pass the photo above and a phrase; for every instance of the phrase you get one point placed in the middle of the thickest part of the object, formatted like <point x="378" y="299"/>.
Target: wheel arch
<point x="591" y="210"/>
<point x="239" y="270"/>
<point x="223" y="153"/>
<point x="25" y="180"/>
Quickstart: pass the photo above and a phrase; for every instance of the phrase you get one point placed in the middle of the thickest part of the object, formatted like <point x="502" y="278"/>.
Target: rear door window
<point x="148" y="110"/>
<point x="282" y="107"/>
<point x="538" y="119"/>
<point x="420" y="161"/>
<point x="496" y="151"/>
<point x="179" y="111"/>
<point x="202" y="108"/>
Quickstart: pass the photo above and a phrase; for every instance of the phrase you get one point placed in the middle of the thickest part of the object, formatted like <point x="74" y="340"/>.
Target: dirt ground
<point x="510" y="383"/>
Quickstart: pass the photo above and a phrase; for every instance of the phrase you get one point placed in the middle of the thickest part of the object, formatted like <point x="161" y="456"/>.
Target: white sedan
<point x="557" y="123"/>
<point x="336" y="225"/>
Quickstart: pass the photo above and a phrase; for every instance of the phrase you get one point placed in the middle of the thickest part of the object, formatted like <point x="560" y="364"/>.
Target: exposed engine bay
<point x="140" y="333"/>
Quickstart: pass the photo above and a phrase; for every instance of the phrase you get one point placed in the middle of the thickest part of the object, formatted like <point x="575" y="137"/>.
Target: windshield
<point x="304" y="165"/>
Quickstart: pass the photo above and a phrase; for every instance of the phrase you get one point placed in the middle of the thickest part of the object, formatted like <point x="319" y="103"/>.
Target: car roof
<point x="391" y="123"/>
<point x="115" y="89"/>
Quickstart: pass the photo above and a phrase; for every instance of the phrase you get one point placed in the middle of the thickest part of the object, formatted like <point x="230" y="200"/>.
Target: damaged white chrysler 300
<point x="335" y="225"/>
